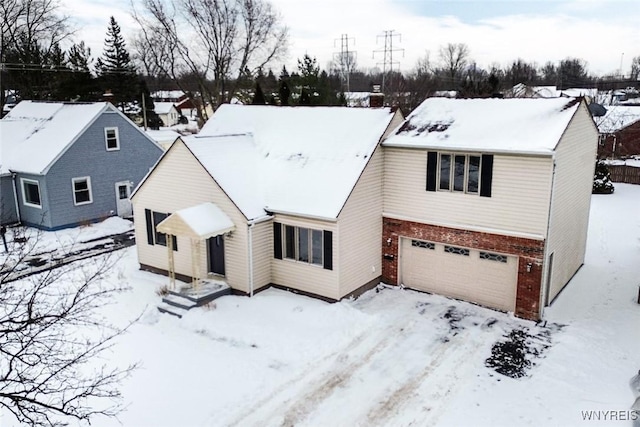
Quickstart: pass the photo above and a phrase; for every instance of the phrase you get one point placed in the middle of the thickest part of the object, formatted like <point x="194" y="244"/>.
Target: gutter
<point x="502" y="151"/>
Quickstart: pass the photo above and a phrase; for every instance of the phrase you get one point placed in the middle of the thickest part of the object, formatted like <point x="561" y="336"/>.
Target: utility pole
<point x="345" y="58"/>
<point x="387" y="58"/>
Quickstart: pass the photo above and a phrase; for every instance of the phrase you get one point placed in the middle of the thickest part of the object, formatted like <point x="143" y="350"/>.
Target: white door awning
<point x="197" y="222"/>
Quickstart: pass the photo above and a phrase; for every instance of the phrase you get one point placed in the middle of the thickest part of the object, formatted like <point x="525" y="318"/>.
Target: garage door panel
<point x="489" y="282"/>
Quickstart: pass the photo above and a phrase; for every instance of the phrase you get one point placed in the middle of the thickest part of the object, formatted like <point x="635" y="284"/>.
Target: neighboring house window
<point x="154" y="237"/>
<point x="464" y="173"/>
<point x="602" y="139"/>
<point x="81" y="190"/>
<point x="303" y="244"/>
<point x="111" y="139"/>
<point x="31" y="193"/>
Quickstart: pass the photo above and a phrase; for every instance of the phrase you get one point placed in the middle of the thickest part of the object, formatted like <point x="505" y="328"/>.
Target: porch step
<point x="179" y="301"/>
<point x="171" y="309"/>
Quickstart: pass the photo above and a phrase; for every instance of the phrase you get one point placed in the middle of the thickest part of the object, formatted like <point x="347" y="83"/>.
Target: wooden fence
<point x="624" y="173"/>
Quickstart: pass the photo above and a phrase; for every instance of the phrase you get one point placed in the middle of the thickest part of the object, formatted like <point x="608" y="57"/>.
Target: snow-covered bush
<point x="602" y="179"/>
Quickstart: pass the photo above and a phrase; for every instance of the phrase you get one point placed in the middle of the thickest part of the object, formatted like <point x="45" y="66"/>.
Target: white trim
<point x="465" y="227"/>
<point x="73" y="190"/>
<point x="106" y="138"/>
<point x="24" y="196"/>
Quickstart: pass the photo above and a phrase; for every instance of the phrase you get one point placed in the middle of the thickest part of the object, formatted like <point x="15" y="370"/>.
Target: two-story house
<point x="484" y="200"/>
<point x="64" y="164"/>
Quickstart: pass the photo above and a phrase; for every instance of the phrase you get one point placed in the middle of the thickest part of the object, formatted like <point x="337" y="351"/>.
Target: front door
<point x="215" y="246"/>
<point x="123" y="204"/>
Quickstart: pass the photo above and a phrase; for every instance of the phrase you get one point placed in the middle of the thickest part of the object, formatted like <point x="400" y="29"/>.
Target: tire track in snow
<point x="409" y="395"/>
<point x="284" y="395"/>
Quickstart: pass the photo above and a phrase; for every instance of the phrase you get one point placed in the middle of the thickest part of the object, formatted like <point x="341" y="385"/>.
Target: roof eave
<point x="540" y="153"/>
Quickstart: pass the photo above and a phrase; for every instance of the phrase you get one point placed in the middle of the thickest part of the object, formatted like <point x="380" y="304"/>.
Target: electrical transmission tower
<point x="345" y="59"/>
<point x="387" y="58"/>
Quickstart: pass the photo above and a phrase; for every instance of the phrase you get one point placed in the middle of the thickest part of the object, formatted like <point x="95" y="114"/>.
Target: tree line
<point x="227" y="53"/>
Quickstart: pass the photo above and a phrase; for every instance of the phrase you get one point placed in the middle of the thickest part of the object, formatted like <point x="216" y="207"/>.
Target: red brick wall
<point x="529" y="251"/>
<point x="627" y="143"/>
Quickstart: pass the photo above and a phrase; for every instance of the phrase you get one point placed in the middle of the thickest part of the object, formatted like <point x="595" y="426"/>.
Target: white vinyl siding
<point x="519" y="202"/>
<point x="575" y="162"/>
<point x="262" y="238"/>
<point x="361" y="229"/>
<point x="303" y="275"/>
<point x="178" y="182"/>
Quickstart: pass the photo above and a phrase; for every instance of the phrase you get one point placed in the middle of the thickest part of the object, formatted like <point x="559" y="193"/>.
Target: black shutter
<point x="150" y="227"/>
<point x="432" y="170"/>
<point x="328" y="250"/>
<point x="174" y="240"/>
<point x="277" y="240"/>
<point x="486" y="175"/>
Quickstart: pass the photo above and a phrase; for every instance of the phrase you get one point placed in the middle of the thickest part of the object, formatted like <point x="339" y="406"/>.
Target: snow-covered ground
<point x="392" y="357"/>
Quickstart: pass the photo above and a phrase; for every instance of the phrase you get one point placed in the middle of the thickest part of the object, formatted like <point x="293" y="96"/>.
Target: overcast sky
<point x="605" y="33"/>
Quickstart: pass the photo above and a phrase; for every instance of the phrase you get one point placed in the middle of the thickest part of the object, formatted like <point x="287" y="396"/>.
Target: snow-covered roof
<point x="357" y="99"/>
<point x="492" y="125"/>
<point x="33" y="134"/>
<point x="163" y="136"/>
<point x="198" y="222"/>
<point x="298" y="160"/>
<point x="618" y="117"/>
<point x="168" y="94"/>
<point x="163" y="107"/>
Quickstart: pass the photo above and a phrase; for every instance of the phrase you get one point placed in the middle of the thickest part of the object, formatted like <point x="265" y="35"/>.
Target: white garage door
<point x="483" y="277"/>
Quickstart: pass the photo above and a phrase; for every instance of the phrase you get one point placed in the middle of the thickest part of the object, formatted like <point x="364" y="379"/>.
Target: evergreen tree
<point x="602" y="179"/>
<point x="258" y="97"/>
<point x="305" y="98"/>
<point x="284" y="74"/>
<point x="153" y="120"/>
<point x="115" y="69"/>
<point x="82" y="86"/>
<point x="284" y="93"/>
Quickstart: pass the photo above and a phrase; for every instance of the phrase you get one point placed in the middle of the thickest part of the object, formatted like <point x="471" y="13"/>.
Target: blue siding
<point x="29" y="215"/>
<point x="8" y="214"/>
<point x="88" y="156"/>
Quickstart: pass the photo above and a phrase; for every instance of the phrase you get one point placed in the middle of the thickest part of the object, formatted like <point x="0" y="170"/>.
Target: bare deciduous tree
<point x="29" y="31"/>
<point x="213" y="40"/>
<point x="51" y="340"/>
<point x="454" y="58"/>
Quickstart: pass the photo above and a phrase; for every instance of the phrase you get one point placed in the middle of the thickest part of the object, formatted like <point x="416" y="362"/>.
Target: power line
<point x="346" y="58"/>
<point x="387" y="59"/>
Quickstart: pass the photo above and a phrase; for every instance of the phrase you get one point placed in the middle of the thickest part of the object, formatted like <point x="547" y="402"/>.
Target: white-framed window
<point x="31" y="193"/>
<point x="459" y="173"/>
<point x="81" y="188"/>
<point x="303" y="244"/>
<point x="111" y="139"/>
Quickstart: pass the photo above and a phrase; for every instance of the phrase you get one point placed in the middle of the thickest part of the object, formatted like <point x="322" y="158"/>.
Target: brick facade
<point x="528" y="251"/>
<point x="623" y="143"/>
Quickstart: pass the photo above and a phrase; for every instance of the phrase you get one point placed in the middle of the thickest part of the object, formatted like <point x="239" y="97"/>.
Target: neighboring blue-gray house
<point x="64" y="164"/>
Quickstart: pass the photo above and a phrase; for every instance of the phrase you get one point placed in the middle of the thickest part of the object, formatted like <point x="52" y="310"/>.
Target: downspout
<point x="250" y="227"/>
<point x="546" y="286"/>
<point x="15" y="196"/>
